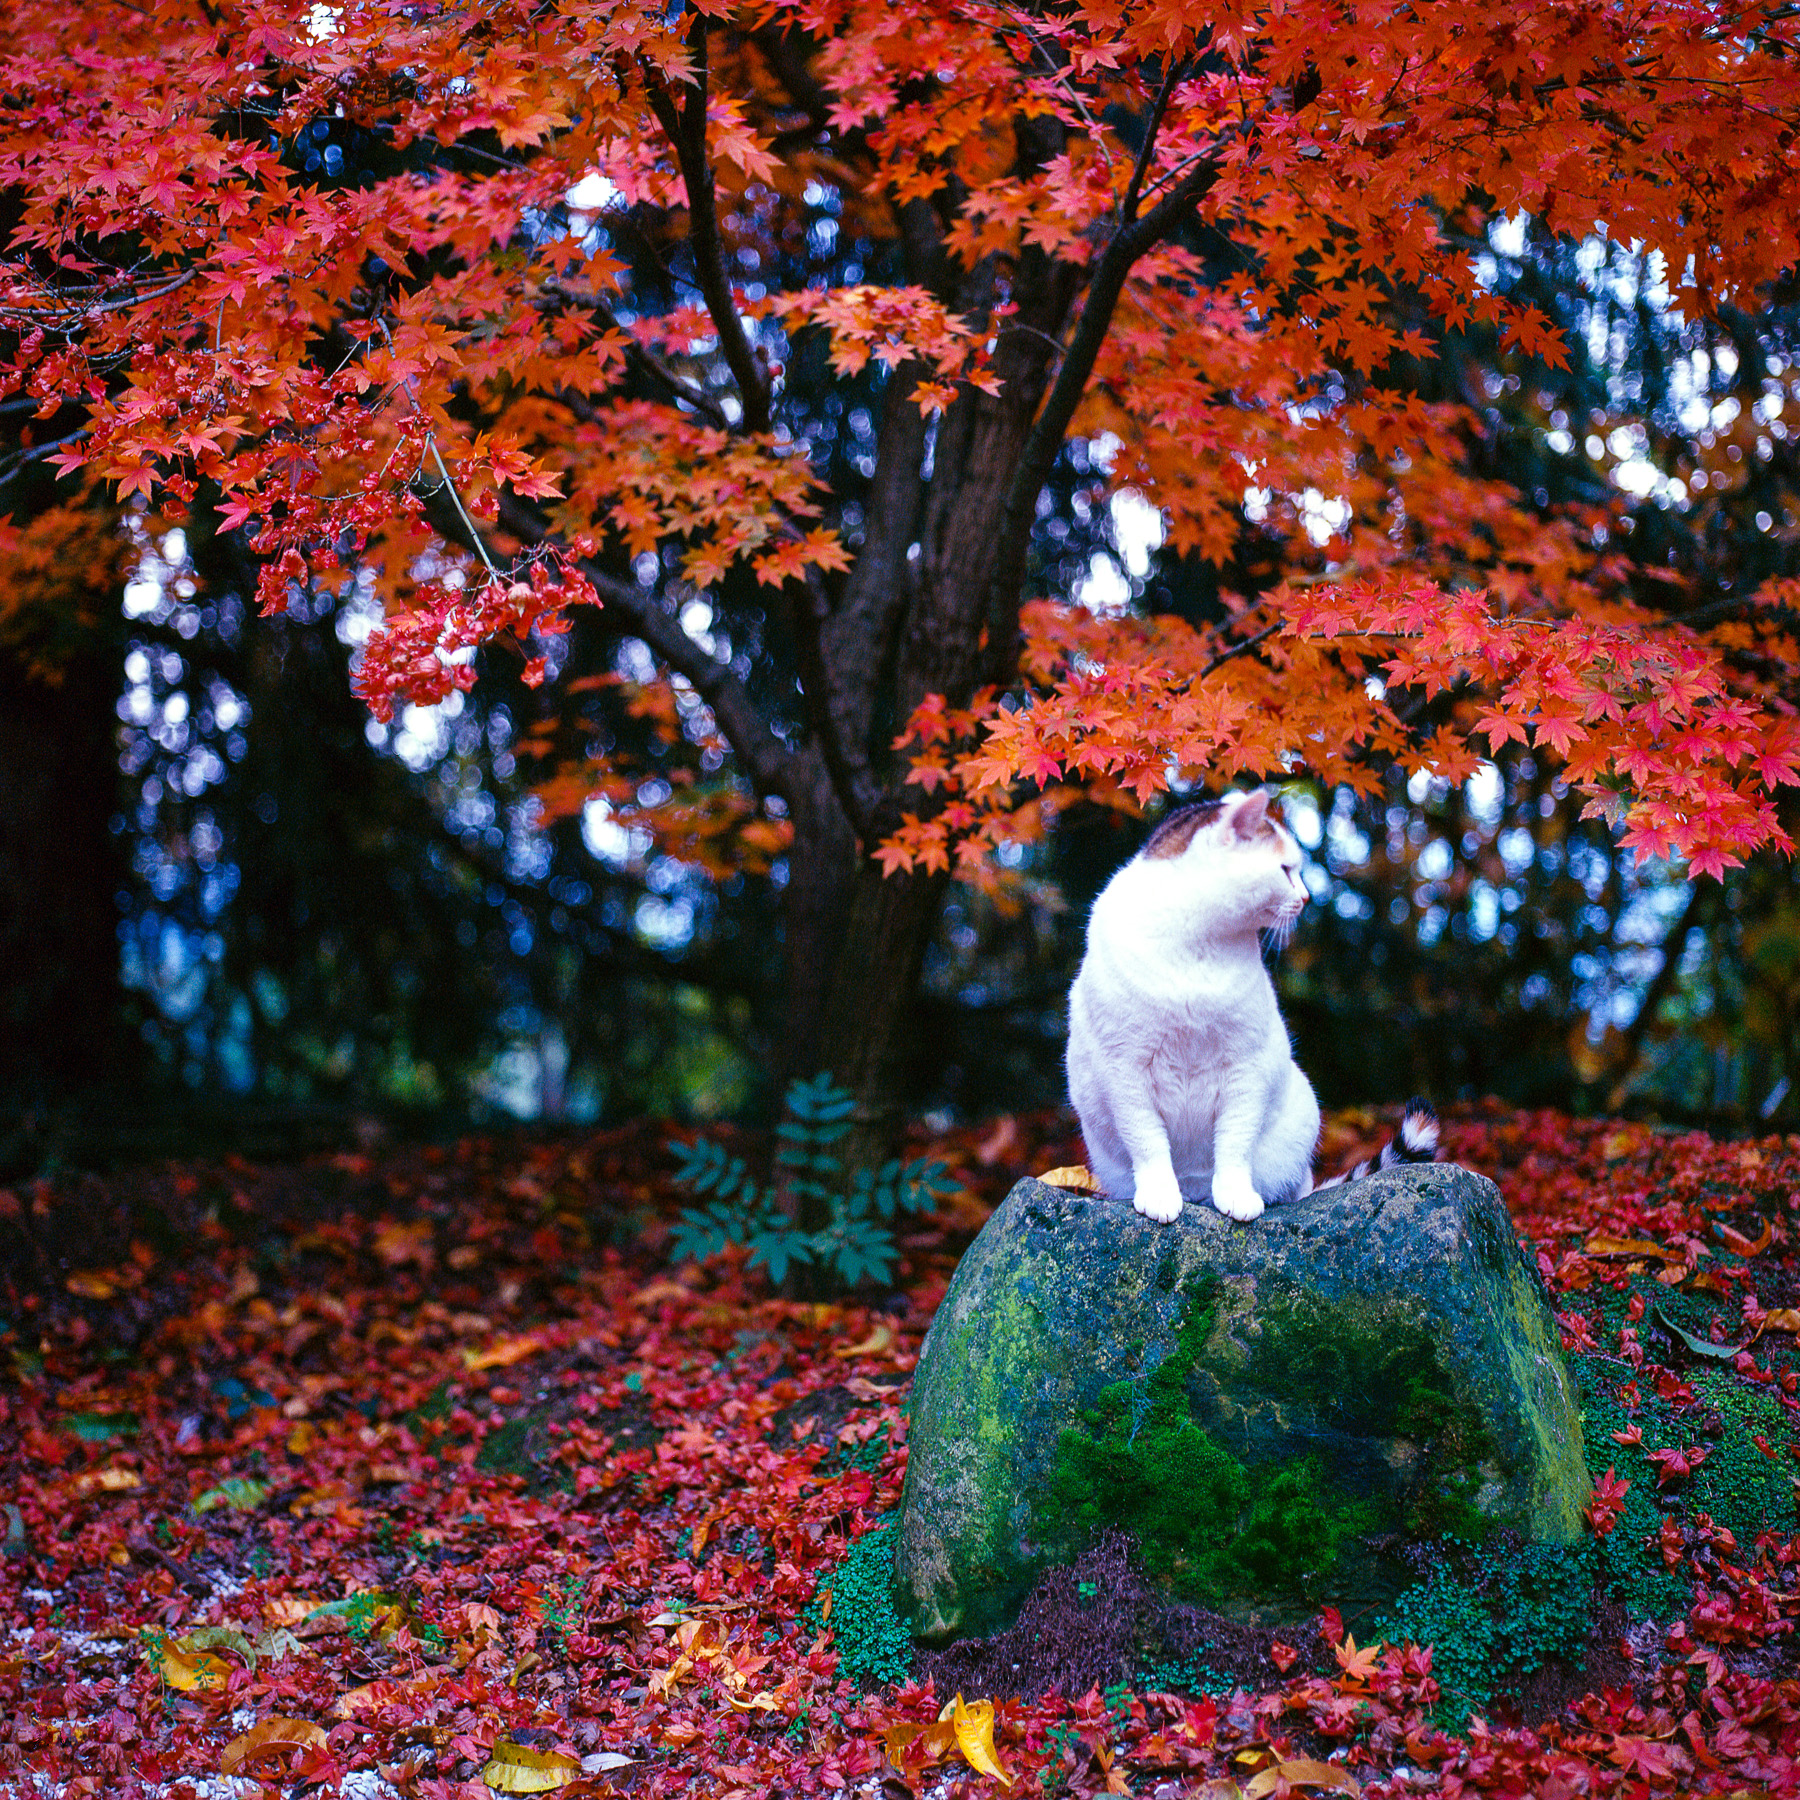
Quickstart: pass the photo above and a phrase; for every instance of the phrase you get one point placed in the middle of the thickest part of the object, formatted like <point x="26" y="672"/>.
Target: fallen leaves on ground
<point x="428" y="1469"/>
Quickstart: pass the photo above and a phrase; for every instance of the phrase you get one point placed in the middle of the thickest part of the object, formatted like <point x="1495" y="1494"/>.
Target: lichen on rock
<point x="1268" y="1410"/>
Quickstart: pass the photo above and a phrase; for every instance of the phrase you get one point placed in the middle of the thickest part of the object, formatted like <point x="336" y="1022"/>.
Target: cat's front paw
<point x="1236" y="1198"/>
<point x="1158" y="1198"/>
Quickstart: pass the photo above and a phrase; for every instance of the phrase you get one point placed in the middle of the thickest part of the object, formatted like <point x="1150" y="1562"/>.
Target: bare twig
<point x="1045" y="439"/>
<point x="437" y="456"/>
<point x="1240" y="648"/>
<point x="23" y="459"/>
<point x="1134" y="188"/>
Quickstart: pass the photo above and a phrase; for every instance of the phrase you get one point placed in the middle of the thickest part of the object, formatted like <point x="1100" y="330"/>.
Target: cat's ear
<point x="1249" y="817"/>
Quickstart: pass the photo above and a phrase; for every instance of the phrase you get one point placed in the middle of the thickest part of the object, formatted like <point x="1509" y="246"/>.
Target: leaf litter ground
<point x="423" y="1472"/>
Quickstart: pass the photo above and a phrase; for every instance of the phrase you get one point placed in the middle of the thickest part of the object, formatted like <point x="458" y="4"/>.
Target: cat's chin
<point x="1281" y="928"/>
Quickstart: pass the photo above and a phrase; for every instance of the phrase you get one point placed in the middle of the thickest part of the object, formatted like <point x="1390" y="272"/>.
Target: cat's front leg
<point x="1235" y="1195"/>
<point x="1156" y="1193"/>
<point x="1234" y="1136"/>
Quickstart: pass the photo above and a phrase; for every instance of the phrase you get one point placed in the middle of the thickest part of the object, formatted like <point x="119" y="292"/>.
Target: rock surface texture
<point x="1272" y="1410"/>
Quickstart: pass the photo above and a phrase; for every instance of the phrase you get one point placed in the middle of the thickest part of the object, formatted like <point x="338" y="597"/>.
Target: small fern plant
<point x="854" y="1244"/>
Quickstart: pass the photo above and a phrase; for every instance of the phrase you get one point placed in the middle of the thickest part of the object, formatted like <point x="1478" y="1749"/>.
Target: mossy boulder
<point x="1273" y="1411"/>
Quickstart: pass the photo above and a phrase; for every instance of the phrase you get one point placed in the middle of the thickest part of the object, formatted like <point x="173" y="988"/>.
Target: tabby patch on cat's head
<point x="1176" y="832"/>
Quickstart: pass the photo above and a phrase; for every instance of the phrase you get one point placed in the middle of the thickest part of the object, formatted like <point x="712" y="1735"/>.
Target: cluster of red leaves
<point x="585" y="1499"/>
<point x="1652" y="727"/>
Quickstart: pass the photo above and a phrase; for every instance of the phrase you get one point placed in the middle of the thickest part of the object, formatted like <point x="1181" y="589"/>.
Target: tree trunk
<point x="870" y="1023"/>
<point x="60" y="866"/>
<point x="815" y="914"/>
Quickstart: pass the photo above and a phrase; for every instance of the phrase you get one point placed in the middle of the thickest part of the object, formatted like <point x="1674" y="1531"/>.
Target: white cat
<point x="1179" y="1064"/>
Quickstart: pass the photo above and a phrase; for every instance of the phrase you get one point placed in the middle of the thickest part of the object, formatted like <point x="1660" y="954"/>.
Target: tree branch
<point x="1135" y="187"/>
<point x="1240" y="648"/>
<point x="1045" y="440"/>
<point x="646" y="362"/>
<point x="686" y="132"/>
<point x="766" y="760"/>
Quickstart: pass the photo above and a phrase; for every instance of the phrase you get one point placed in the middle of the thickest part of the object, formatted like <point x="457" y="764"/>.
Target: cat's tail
<point x="1415" y="1142"/>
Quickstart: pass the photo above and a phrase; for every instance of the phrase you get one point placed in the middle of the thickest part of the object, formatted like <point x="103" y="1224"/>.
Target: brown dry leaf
<point x="302" y="1438"/>
<point x="654" y="1292"/>
<point x="272" y="1738"/>
<point x="515" y="1769"/>
<point x="975" y="1738"/>
<point x="1076" y="1176"/>
<point x="1738" y="1244"/>
<point x="411" y="1689"/>
<point x="397" y="1243"/>
<point x="1620" y="1143"/>
<point x="1302" y="1772"/>
<point x="999" y="1142"/>
<point x="290" y="1609"/>
<point x="501" y="1354"/>
<point x="865" y="1389"/>
<point x="1783" y="1318"/>
<point x="880" y="1340"/>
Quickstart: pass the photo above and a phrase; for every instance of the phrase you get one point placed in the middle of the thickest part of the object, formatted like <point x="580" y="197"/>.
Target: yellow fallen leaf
<point x="1783" y="1318"/>
<point x="501" y="1354"/>
<point x="302" y="1438"/>
<point x="272" y="1738"/>
<point x="190" y="1670"/>
<point x="1621" y="1143"/>
<point x="764" y="1702"/>
<point x="104" y="1481"/>
<point x="975" y="1738"/>
<point x="1077" y="1176"/>
<point x="878" y="1340"/>
<point x="1602" y="1245"/>
<point x="290" y="1609"/>
<point x="93" y="1284"/>
<point x="1302" y="1772"/>
<point x="518" y="1770"/>
<point x="921" y="1744"/>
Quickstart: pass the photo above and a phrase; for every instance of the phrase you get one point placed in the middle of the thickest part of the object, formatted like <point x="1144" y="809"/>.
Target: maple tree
<point x="506" y="311"/>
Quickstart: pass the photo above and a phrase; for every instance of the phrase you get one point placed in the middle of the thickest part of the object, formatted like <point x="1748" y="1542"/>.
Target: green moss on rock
<point x="1259" y="1406"/>
<point x="1139" y="1462"/>
<point x="1738" y="1484"/>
